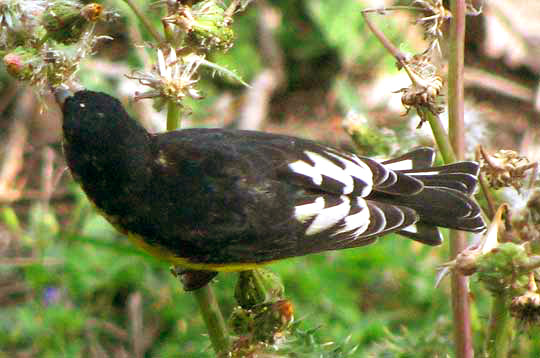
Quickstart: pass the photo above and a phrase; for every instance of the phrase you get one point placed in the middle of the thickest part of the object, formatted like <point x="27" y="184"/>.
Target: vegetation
<point x="70" y="285"/>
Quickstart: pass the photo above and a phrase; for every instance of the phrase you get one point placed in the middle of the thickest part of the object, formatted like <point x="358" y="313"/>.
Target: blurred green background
<point x="70" y="286"/>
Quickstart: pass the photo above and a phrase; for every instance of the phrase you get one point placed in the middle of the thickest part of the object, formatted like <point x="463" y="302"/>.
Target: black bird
<point x="231" y="200"/>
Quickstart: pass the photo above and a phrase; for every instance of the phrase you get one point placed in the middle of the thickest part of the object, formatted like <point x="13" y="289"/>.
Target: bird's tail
<point x="444" y="201"/>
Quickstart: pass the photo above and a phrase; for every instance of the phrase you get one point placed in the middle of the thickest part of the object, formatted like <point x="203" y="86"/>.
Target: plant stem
<point x="460" y="292"/>
<point x="173" y="116"/>
<point x="146" y="23"/>
<point x="217" y="330"/>
<point x="498" y="339"/>
<point x="441" y="137"/>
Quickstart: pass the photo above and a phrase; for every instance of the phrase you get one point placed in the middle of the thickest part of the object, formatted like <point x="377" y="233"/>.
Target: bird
<point x="224" y="200"/>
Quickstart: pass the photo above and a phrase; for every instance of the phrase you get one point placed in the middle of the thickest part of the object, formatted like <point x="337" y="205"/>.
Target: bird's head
<point x="94" y="119"/>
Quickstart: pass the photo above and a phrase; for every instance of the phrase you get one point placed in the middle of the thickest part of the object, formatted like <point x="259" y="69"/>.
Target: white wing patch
<point x="358" y="170"/>
<point x="406" y="164"/>
<point x="305" y="212"/>
<point x="356" y="223"/>
<point x="354" y="168"/>
<point x="411" y="228"/>
<point x="304" y="168"/>
<point x="326" y="167"/>
<point x="329" y="217"/>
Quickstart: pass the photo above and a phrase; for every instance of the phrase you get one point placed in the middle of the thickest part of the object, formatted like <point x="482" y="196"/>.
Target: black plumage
<point x="228" y="200"/>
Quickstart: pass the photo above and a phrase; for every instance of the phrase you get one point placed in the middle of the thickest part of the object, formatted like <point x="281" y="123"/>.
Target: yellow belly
<point x="166" y="255"/>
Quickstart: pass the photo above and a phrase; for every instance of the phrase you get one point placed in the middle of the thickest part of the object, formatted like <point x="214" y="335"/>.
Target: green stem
<point x="173" y="116"/>
<point x="500" y="332"/>
<point x="441" y="137"/>
<point x="144" y="20"/>
<point x="217" y="330"/>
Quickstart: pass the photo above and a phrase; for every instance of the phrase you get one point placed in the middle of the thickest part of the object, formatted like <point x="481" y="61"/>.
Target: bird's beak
<point x="61" y="93"/>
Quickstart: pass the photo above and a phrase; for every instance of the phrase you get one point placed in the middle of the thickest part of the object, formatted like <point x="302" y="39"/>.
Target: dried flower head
<point x="526" y="307"/>
<point x="505" y="168"/>
<point x="425" y="89"/>
<point x="206" y="24"/>
<point x="526" y="216"/>
<point x="48" y="67"/>
<point x="435" y="15"/>
<point x="18" y="21"/>
<point x="172" y="79"/>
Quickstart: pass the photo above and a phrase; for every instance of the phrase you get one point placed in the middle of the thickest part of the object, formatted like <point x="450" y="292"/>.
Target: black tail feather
<point x="424" y="233"/>
<point x="460" y="176"/>
<point x="444" y="200"/>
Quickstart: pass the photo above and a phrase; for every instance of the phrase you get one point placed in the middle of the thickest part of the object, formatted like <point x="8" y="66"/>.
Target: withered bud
<point x="526" y="308"/>
<point x="66" y="22"/>
<point x="271" y="319"/>
<point x="505" y="168"/>
<point x="425" y="87"/>
<point x="256" y="287"/>
<point x="21" y="63"/>
<point x="465" y="262"/>
<point x="92" y="12"/>
<point x="206" y="24"/>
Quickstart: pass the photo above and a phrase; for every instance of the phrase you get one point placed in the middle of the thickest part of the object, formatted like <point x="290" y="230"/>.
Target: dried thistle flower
<point x="48" y="67"/>
<point x="505" y="168"/>
<point x="173" y="79"/>
<point x="66" y="21"/>
<point x="18" y="21"/>
<point x="206" y="24"/>
<point x="526" y="217"/>
<point x="425" y="89"/>
<point x="526" y="308"/>
<point x="435" y="17"/>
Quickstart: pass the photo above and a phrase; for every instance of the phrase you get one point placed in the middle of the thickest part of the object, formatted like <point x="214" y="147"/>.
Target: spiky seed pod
<point x="271" y="319"/>
<point x="259" y="286"/>
<point x="21" y="63"/>
<point x="501" y="269"/>
<point x="211" y="29"/>
<point x="66" y="21"/>
<point x="206" y="25"/>
<point x="241" y="321"/>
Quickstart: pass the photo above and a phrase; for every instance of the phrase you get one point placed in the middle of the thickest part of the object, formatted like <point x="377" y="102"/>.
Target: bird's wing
<point x="295" y="196"/>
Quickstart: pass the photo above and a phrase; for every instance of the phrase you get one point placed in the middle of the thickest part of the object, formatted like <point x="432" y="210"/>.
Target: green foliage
<point x="74" y="297"/>
<point x="352" y="42"/>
